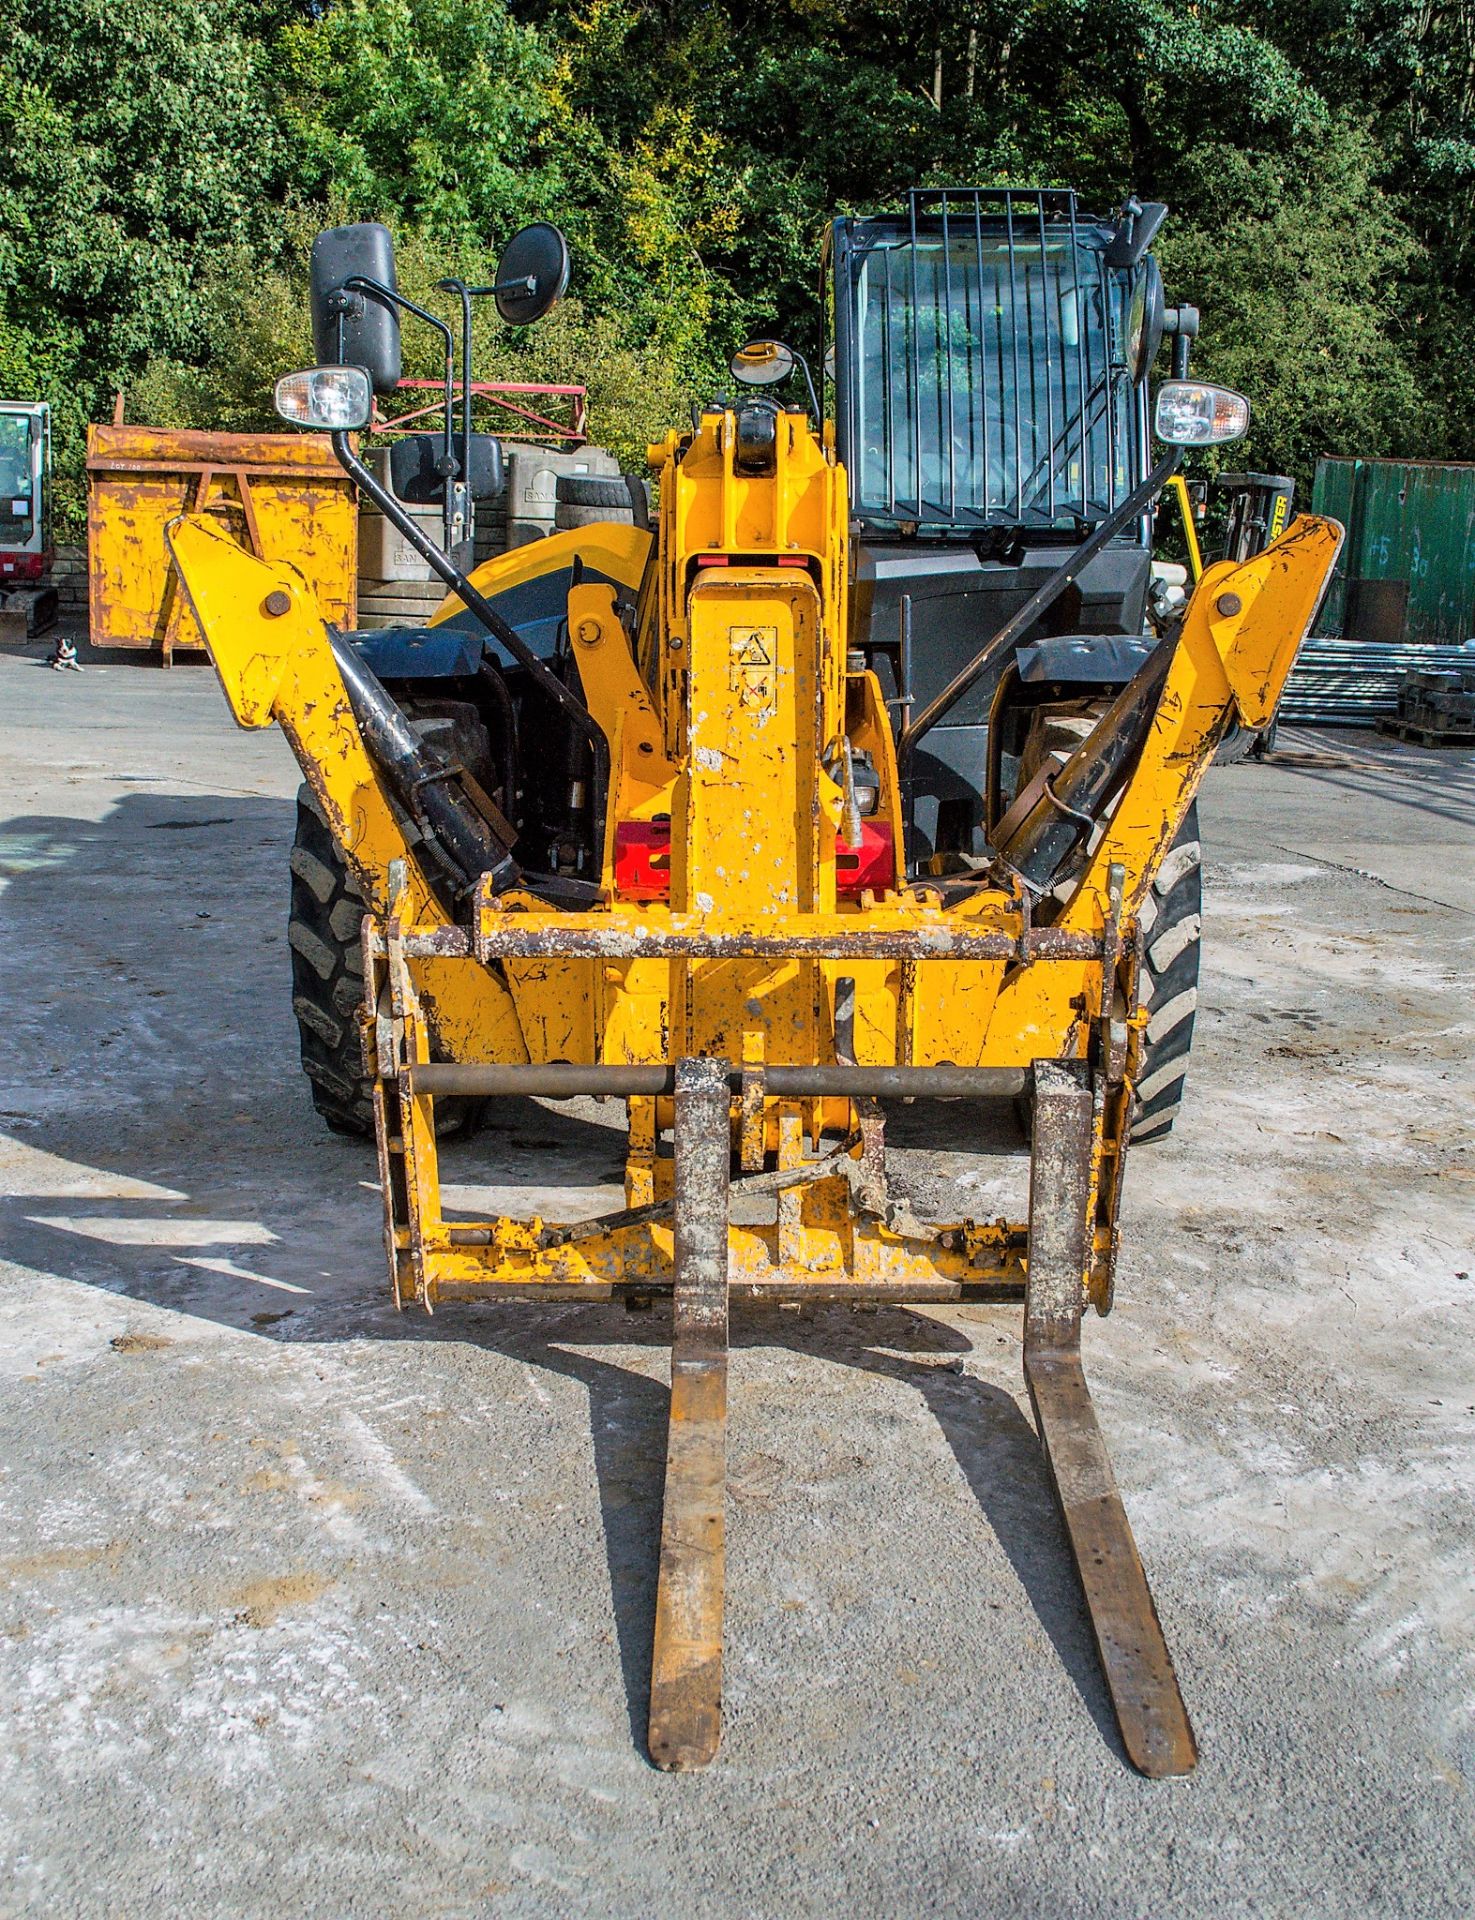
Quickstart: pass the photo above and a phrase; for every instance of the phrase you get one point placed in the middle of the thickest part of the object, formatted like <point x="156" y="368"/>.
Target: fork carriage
<point x="836" y="1235"/>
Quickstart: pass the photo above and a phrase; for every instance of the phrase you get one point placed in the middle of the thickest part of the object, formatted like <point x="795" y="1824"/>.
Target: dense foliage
<point x="169" y="160"/>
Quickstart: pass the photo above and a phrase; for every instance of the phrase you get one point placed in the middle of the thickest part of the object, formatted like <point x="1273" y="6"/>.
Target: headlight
<point x="334" y="399"/>
<point x="1190" y="413"/>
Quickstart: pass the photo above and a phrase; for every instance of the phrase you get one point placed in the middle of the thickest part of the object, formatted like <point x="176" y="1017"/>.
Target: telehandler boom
<point x="756" y="958"/>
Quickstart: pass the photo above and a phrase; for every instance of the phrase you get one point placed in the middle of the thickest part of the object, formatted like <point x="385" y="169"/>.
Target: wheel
<point x="588" y="499"/>
<point x="324" y="932"/>
<point x="608" y="490"/>
<point x="1237" y="745"/>
<point x="328" y="973"/>
<point x="1172" y="923"/>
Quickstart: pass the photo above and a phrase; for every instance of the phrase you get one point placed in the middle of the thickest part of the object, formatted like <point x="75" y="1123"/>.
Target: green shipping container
<point x="1406" y="571"/>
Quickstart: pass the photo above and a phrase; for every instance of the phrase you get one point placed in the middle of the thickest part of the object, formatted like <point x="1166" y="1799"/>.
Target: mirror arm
<point x="809" y="383"/>
<point x="1182" y="323"/>
<point x="361" y="283"/>
<point x="527" y="282"/>
<point x="447" y="571"/>
<point x="460" y="287"/>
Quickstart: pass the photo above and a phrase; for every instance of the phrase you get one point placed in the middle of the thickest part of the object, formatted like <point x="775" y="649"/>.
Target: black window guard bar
<point x="972" y="391"/>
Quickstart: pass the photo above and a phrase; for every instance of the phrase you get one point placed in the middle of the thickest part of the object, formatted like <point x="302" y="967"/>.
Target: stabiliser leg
<point x="686" y="1667"/>
<point x="1129" y="1638"/>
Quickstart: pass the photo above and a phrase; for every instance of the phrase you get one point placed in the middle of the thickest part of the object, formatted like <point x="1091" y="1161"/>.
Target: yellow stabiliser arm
<point x="1238" y="644"/>
<point x="271" y="650"/>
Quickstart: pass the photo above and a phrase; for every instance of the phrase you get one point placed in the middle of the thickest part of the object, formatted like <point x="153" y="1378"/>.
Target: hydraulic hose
<point x="1074" y="799"/>
<point x="466" y="845"/>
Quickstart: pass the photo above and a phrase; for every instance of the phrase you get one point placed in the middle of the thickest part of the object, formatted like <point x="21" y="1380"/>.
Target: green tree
<point x="1299" y="270"/>
<point x="170" y="159"/>
<point x="136" y="147"/>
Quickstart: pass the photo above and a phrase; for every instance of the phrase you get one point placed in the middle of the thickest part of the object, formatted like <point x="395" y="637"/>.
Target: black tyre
<point x="1237" y="745"/>
<point x="608" y="490"/>
<point x="324" y="931"/>
<point x="1172" y="922"/>
<point x="587" y="500"/>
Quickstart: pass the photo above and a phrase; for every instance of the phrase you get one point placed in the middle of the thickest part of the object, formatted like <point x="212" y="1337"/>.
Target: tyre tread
<point x="1172" y="926"/>
<point x="327" y="973"/>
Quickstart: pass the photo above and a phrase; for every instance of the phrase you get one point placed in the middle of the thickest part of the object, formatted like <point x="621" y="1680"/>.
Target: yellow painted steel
<point x="641" y="776"/>
<point x="727" y="714"/>
<point x="280" y="496"/>
<point x="607" y="547"/>
<point x="1178" y="487"/>
<point x="1238" y="643"/>
<point x="280" y="667"/>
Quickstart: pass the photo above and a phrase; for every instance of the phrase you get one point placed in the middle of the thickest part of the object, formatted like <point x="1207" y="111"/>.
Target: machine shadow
<point x="991" y="1439"/>
<point x="627" y="1429"/>
<point x="158" y="998"/>
<point x="1378" y="770"/>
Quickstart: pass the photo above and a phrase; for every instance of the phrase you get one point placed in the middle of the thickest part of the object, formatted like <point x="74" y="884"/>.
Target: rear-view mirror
<point x="532" y="275"/>
<point x="762" y="363"/>
<point x="415" y="474"/>
<point x="352" y="324"/>
<point x="1146" y="319"/>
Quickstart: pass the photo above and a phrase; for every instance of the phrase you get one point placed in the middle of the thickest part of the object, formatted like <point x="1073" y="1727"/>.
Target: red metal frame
<point x="540" y="426"/>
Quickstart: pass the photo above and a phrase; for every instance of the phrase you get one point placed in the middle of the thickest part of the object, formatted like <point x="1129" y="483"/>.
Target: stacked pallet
<point x="1436" y="707"/>
<point x="1355" y="683"/>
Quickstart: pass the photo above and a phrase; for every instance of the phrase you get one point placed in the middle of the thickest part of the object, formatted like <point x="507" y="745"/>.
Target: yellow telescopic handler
<point x="865" y="774"/>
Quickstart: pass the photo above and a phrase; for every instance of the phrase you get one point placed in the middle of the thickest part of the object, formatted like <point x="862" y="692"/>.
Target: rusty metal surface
<point x="1129" y="1638"/>
<point x="282" y="497"/>
<point x="844" y="1255"/>
<point x="1059" y="1238"/>
<point x="620" y="937"/>
<point x="558" y="1080"/>
<point x="139" y="449"/>
<point x="426" y="943"/>
<point x="686" y="1665"/>
<point x="1134" y="1654"/>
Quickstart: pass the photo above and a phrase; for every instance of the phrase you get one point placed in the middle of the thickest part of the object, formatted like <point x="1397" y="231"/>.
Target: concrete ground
<point x="307" y="1609"/>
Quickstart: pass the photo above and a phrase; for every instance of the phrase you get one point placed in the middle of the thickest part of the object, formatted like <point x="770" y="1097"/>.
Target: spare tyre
<point x="607" y="490"/>
<point x="586" y="499"/>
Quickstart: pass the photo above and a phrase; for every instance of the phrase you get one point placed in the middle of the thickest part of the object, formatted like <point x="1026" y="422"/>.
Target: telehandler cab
<point x="865" y="776"/>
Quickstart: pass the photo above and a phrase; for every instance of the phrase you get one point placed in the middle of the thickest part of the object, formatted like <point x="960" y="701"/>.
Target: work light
<point x="334" y="399"/>
<point x="1191" y="413"/>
